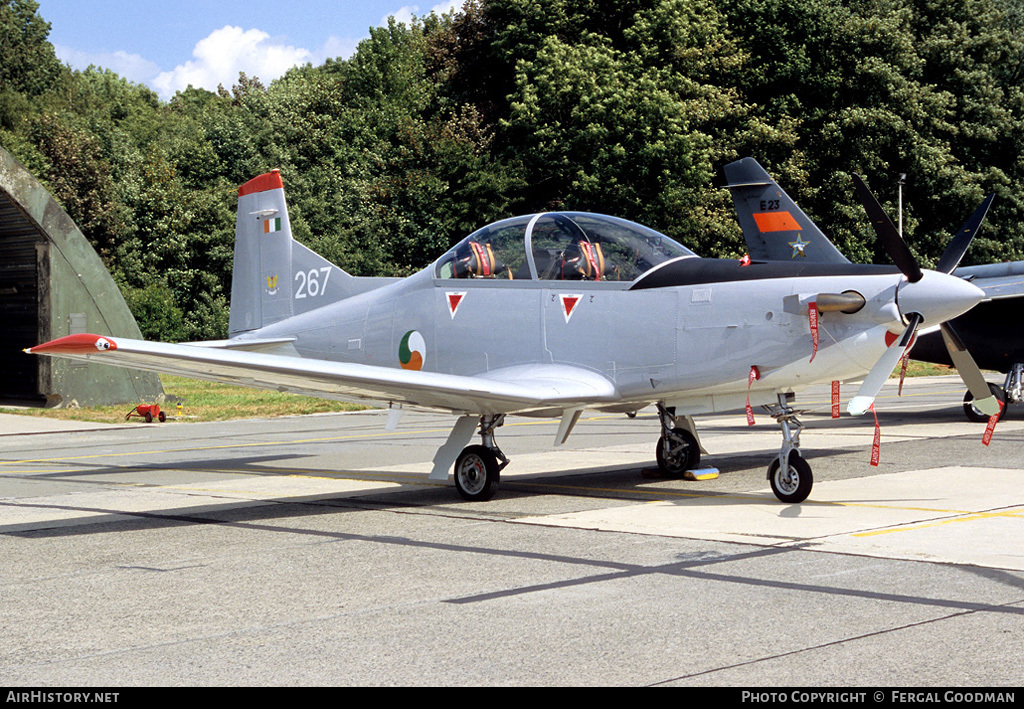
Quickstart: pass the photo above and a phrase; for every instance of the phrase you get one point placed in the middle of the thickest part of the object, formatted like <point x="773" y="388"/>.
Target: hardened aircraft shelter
<point x="52" y="283"/>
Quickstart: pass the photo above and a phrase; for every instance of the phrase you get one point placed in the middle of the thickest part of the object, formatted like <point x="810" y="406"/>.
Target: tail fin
<point x="275" y="277"/>
<point x="775" y="228"/>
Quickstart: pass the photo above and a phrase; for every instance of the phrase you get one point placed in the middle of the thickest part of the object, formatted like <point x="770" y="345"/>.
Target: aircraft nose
<point x="938" y="297"/>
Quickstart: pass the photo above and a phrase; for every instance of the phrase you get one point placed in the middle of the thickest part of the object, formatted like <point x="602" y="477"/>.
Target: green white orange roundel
<point x="412" y="352"/>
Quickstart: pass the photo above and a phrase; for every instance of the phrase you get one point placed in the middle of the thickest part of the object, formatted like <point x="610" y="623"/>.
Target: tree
<point x="29" y="64"/>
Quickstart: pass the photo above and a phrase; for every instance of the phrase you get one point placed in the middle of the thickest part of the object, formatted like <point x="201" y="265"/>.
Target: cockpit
<point x="559" y="246"/>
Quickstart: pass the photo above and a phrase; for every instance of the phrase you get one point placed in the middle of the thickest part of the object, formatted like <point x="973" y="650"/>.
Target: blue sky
<point x="169" y="45"/>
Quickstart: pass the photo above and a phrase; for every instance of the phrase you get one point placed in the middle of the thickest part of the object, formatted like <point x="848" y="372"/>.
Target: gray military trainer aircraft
<point x="546" y="315"/>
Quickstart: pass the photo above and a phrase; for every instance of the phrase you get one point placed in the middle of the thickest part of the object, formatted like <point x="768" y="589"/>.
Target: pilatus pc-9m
<point x="547" y="315"/>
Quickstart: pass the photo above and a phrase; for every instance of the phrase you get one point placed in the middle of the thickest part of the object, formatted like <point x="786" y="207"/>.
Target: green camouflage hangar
<point x="52" y="283"/>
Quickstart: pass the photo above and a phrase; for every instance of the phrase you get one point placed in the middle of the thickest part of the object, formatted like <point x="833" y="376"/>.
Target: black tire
<point x="683" y="453"/>
<point x="162" y="416"/>
<point x="477" y="474"/>
<point x="149" y="417"/>
<point x="977" y="416"/>
<point x="794" y="487"/>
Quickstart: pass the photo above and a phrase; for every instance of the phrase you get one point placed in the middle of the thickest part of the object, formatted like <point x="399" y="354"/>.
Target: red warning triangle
<point x="569" y="303"/>
<point x="454" y="299"/>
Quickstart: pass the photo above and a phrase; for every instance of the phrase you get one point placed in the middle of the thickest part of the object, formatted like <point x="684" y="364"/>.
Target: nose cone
<point x="938" y="297"/>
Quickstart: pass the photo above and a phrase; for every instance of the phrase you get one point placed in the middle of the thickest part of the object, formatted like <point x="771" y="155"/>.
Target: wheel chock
<point x="701" y="474"/>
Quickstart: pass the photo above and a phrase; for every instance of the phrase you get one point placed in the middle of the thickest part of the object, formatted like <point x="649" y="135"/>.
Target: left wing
<point x="523" y="389"/>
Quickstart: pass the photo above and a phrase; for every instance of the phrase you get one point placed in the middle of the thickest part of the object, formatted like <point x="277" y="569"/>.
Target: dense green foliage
<point x="628" y="107"/>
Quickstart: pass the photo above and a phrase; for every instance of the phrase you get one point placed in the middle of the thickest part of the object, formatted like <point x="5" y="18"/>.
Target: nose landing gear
<point x="789" y="474"/>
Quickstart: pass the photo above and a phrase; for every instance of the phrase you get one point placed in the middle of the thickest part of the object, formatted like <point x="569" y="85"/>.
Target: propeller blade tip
<point x="988" y="406"/>
<point x="859" y="405"/>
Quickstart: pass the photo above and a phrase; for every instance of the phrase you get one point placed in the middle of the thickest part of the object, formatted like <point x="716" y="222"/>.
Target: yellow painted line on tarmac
<point x="970" y="517"/>
<point x="314" y="474"/>
<point x="223" y="447"/>
<point x="325" y="439"/>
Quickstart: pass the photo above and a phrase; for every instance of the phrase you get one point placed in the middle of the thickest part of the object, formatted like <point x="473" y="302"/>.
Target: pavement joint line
<point x="418" y="479"/>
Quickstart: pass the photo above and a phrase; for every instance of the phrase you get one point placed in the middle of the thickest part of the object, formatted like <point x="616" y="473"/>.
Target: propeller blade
<point x="882" y="370"/>
<point x="969" y="371"/>
<point x="887" y="233"/>
<point x="958" y="246"/>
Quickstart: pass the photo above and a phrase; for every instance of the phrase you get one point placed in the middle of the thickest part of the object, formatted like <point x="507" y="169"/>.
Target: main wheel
<point x="795" y="484"/>
<point x="477" y="474"/>
<point x="979" y="416"/>
<point x="681" y="453"/>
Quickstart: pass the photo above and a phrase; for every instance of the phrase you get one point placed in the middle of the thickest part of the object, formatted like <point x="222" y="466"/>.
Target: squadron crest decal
<point x="798" y="247"/>
<point x="412" y="352"/>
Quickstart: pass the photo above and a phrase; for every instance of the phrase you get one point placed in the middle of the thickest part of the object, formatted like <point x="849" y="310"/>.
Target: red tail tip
<point x="263" y="183"/>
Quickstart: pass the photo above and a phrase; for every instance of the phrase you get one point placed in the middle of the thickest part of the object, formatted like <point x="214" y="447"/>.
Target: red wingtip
<point x="263" y="183"/>
<point x="74" y="344"/>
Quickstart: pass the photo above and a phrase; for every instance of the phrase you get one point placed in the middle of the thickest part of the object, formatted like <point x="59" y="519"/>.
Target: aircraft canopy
<point x="559" y="246"/>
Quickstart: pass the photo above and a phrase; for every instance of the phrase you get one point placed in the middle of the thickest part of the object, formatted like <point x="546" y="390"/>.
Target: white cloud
<point x="405" y="13"/>
<point x="219" y="57"/>
<point x="223" y="54"/>
<point x="128" y="66"/>
<point x="447" y="6"/>
<point x="337" y="48"/>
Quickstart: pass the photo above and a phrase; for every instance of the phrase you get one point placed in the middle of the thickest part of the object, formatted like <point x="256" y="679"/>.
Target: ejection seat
<point x="477" y="260"/>
<point x="586" y="263"/>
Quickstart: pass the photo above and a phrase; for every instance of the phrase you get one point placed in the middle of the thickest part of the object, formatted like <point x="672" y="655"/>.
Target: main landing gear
<point x="678" y="449"/>
<point x="789" y="474"/>
<point x="1012" y="392"/>
<point x="478" y="467"/>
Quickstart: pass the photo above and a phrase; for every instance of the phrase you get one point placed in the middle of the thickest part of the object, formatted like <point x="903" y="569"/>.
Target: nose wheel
<point x="793" y="484"/>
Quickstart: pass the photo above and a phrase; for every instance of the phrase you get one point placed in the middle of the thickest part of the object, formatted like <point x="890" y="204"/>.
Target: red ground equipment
<point x="148" y="412"/>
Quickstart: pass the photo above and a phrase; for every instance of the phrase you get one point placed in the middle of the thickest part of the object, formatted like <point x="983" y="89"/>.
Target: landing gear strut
<point x="789" y="474"/>
<point x="678" y="449"/>
<point x="478" y="468"/>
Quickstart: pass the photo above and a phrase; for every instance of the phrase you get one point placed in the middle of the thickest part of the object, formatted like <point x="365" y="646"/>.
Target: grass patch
<point x="924" y="369"/>
<point x="203" y="401"/>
